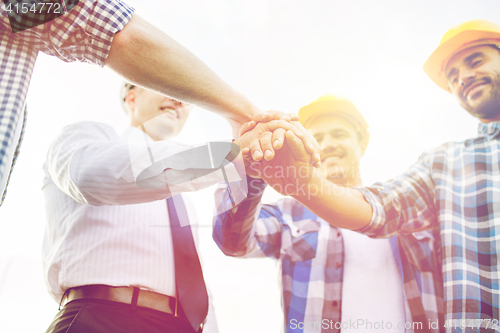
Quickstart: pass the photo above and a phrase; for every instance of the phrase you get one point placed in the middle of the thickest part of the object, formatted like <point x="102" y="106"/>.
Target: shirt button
<point x="337" y="264"/>
<point x="338" y="234"/>
<point x="335" y="303"/>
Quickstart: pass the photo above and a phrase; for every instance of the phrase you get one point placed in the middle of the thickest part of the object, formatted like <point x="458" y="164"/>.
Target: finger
<point x="297" y="147"/>
<point x="255" y="150"/>
<point x="310" y="144"/>
<point x="263" y="117"/>
<point x="273" y="125"/>
<point x="266" y="145"/>
<point x="246" y="155"/>
<point x="278" y="138"/>
<point x="277" y="115"/>
<point x="293" y="116"/>
<point x="246" y="127"/>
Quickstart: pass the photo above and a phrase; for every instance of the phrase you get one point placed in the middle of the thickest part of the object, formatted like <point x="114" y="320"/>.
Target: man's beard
<point x="489" y="108"/>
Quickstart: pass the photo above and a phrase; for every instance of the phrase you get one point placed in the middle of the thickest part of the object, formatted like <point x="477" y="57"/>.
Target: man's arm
<point x="169" y="68"/>
<point x="405" y="204"/>
<point x="342" y="207"/>
<point x="148" y="57"/>
<point x="91" y="164"/>
<point x="247" y="229"/>
<point x="290" y="172"/>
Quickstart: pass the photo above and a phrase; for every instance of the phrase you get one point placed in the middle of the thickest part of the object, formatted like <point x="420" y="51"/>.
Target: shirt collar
<point x="489" y="130"/>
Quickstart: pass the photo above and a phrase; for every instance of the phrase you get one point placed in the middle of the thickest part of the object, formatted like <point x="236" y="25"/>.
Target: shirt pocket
<point x="300" y="240"/>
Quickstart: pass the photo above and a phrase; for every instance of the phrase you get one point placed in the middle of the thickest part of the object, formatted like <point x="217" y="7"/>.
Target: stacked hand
<point x="279" y="150"/>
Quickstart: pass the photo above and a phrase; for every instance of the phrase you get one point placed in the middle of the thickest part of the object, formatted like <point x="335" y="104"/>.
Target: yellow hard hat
<point x="459" y="38"/>
<point x="329" y="104"/>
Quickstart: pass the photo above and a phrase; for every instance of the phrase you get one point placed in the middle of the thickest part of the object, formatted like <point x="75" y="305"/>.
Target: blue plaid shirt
<point x="311" y="252"/>
<point x="84" y="33"/>
<point x="456" y="187"/>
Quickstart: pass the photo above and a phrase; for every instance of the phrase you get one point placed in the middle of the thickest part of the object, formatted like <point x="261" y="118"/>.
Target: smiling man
<point x="122" y="256"/>
<point x="474" y="78"/>
<point x="165" y="117"/>
<point x="454" y="188"/>
<point x="329" y="282"/>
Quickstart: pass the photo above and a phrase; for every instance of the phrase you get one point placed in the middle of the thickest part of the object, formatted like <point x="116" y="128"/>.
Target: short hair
<point x="124" y="89"/>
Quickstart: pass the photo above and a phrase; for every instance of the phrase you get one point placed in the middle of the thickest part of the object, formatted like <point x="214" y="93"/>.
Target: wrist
<point x="240" y="118"/>
<point x="238" y="142"/>
<point x="256" y="187"/>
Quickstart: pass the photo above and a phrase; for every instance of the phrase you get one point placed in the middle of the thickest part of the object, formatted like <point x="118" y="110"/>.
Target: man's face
<point x="161" y="117"/>
<point x="474" y="78"/>
<point x="340" y="149"/>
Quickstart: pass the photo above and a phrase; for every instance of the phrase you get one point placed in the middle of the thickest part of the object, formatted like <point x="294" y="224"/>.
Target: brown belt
<point x="128" y="295"/>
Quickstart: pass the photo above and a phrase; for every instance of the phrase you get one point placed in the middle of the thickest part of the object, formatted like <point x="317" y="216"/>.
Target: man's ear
<point x="130" y="99"/>
<point x="363" y="144"/>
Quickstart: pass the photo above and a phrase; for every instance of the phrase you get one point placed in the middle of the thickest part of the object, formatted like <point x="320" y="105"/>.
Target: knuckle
<point x="279" y="132"/>
<point x="254" y="144"/>
<point x="283" y="123"/>
<point x="260" y="127"/>
<point x="265" y="135"/>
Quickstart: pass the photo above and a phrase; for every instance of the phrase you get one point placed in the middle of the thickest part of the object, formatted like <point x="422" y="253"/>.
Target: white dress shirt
<point x="101" y="227"/>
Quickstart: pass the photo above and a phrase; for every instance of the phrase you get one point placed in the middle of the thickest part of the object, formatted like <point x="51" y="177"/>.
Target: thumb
<point x="297" y="147"/>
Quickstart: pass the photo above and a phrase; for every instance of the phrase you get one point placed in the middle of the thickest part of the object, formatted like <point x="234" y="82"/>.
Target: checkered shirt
<point x="83" y="34"/>
<point x="455" y="187"/>
<point x="312" y="258"/>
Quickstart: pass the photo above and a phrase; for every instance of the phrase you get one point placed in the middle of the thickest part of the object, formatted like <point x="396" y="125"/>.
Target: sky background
<point x="282" y="54"/>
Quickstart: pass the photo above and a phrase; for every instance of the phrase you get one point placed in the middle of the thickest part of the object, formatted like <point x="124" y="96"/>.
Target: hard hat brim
<point x="342" y="108"/>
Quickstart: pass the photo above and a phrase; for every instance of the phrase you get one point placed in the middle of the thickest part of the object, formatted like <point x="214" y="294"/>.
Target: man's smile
<point x="169" y="111"/>
<point x="473" y="89"/>
<point x="337" y="155"/>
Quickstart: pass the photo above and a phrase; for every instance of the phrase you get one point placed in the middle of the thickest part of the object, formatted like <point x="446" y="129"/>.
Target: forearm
<point x="100" y="174"/>
<point x="234" y="226"/>
<point x="148" y="57"/>
<point x="130" y="181"/>
<point x="90" y="163"/>
<point x="342" y="207"/>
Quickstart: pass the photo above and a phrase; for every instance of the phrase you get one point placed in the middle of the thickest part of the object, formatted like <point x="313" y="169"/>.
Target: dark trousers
<point x="96" y="316"/>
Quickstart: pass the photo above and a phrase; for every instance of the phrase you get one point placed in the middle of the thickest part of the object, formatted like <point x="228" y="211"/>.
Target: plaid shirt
<point x="83" y="34"/>
<point x="455" y="187"/>
<point x="312" y="257"/>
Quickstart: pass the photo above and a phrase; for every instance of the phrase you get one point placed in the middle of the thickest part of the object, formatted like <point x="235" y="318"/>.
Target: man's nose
<point x="328" y="142"/>
<point x="177" y="103"/>
<point x="466" y="74"/>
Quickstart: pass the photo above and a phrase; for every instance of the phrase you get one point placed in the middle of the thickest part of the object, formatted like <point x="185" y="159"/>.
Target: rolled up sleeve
<point x="405" y="204"/>
<point x="84" y="33"/>
<point x="378" y="215"/>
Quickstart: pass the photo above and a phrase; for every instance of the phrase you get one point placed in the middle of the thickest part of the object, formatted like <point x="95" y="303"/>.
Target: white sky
<point x="282" y="54"/>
